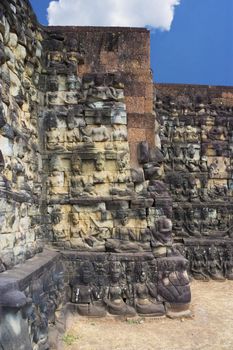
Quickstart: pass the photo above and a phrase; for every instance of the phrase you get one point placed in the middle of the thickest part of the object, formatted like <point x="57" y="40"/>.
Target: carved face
<point x="124" y="220"/>
<point x="191" y="151"/>
<point x="74" y="220"/>
<point x="122" y="163"/>
<point x="76" y="165"/>
<point x="177" y="151"/>
<point x="55" y="56"/>
<point x="115" y="270"/>
<point x="100" y="162"/>
<point x="164" y="224"/>
<point x="143" y="276"/>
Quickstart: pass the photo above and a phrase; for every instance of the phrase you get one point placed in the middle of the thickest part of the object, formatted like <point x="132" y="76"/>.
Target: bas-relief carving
<point x="86" y="140"/>
<point x="82" y="163"/>
<point x="131" y="286"/>
<point x="196" y="148"/>
<point x="20" y="177"/>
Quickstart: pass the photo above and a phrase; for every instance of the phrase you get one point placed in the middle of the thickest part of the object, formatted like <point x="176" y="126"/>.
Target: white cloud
<point x="126" y="13"/>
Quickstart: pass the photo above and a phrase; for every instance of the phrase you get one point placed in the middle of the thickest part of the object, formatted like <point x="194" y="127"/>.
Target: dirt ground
<point x="211" y="327"/>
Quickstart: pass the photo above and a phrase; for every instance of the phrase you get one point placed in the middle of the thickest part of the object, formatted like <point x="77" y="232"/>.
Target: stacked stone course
<point x="21" y="165"/>
<point x="196" y="136"/>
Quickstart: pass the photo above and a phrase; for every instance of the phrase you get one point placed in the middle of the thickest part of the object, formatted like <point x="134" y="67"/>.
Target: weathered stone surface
<point x="29" y="298"/>
<point x="19" y="137"/>
<point x="196" y="145"/>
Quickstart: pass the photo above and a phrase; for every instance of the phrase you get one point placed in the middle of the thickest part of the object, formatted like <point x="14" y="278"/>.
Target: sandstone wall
<point x="96" y="195"/>
<point x="125" y="51"/>
<point x="20" y="177"/>
<point x="196" y="135"/>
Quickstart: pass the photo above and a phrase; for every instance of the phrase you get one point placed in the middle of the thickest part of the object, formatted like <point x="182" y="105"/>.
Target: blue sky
<point x="198" y="49"/>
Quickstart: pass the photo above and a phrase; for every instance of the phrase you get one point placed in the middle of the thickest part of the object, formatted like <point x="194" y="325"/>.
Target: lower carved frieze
<point x="127" y="284"/>
<point x="208" y="259"/>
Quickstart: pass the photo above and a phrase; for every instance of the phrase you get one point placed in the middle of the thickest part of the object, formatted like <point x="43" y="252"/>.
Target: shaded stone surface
<point x="196" y="137"/>
<point x="31" y="299"/>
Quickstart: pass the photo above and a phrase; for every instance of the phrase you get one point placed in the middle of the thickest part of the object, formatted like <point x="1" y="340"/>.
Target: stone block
<point x="141" y="203"/>
<point x="135" y="104"/>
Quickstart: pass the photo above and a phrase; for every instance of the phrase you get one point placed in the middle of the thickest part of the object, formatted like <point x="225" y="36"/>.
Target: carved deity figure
<point x="117" y="293"/>
<point x="79" y="184"/>
<point x="203" y="164"/>
<point x="192" y="223"/>
<point x="119" y="134"/>
<point x="100" y="162"/>
<point x="191" y="134"/>
<point x="57" y="182"/>
<point x="96" y="134"/>
<point x="198" y="264"/>
<point x="190" y="162"/>
<point x="123" y="175"/>
<point x="162" y="237"/>
<point x="145" y="295"/>
<point x="124" y="238"/>
<point x="228" y="263"/>
<point x="60" y="228"/>
<point x="214" y="267"/>
<point x="176" y="158"/>
<point x="78" y="234"/>
<point x="190" y="189"/>
<point x="203" y="191"/>
<point x="101" y="176"/>
<point x="55" y="139"/>
<point x="85" y="238"/>
<point x="86" y="295"/>
<point x="178" y="225"/>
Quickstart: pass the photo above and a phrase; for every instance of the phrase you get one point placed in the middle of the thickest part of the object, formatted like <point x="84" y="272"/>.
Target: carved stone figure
<point x="124" y="238"/>
<point x="162" y="237"/>
<point x="145" y="295"/>
<point x="55" y="140"/>
<point x="192" y="222"/>
<point x="178" y="225"/>
<point x="117" y="293"/>
<point x="100" y="162"/>
<point x="86" y="295"/>
<point x="228" y="263"/>
<point x="214" y="267"/>
<point x="79" y="185"/>
<point x="198" y="266"/>
<point x="85" y="238"/>
<point x="96" y="134"/>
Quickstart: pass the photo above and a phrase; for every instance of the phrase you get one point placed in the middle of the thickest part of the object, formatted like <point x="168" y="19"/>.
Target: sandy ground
<point x="211" y="327"/>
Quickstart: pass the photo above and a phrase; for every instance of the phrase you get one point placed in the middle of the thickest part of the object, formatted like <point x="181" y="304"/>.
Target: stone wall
<point x="20" y="161"/>
<point x="93" y="188"/>
<point x="196" y="135"/>
<point x="32" y="299"/>
<point x="81" y="170"/>
<point x="121" y="51"/>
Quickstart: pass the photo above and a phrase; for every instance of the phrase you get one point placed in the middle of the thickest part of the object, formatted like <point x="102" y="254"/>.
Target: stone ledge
<point x="21" y="274"/>
<point x="94" y="29"/>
